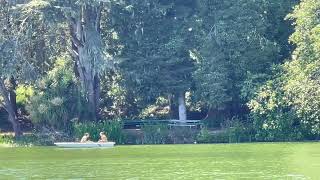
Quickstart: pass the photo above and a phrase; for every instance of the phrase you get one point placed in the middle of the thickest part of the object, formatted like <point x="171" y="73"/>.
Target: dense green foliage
<point x="57" y="99"/>
<point x="287" y="106"/>
<point x="249" y="68"/>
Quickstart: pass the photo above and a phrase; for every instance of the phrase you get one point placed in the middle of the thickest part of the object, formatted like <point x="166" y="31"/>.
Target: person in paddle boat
<point x="103" y="137"/>
<point x="85" y="138"/>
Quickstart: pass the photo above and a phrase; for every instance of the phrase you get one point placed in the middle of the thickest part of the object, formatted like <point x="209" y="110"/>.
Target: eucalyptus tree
<point x="87" y="47"/>
<point x="81" y="21"/>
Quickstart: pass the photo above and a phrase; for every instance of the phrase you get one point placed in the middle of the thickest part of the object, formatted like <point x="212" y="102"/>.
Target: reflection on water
<point x="235" y="161"/>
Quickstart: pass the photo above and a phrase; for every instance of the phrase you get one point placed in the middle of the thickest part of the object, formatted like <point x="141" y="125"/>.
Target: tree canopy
<point x="256" y="61"/>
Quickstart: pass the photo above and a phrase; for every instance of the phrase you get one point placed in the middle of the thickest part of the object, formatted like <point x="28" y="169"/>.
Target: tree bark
<point x="97" y="94"/>
<point x="87" y="53"/>
<point x="182" y="106"/>
<point x="15" y="123"/>
<point x="10" y="107"/>
<point x="173" y="108"/>
<point x="13" y="95"/>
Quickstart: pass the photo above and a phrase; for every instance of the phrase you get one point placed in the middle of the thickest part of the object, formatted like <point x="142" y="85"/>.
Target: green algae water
<point x="217" y="161"/>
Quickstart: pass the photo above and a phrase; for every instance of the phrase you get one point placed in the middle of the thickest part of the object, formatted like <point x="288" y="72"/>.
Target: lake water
<point x="218" y="161"/>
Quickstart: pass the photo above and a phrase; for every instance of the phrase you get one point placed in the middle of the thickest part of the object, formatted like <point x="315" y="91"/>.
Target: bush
<point x="155" y="134"/>
<point x="57" y="98"/>
<point x="279" y="127"/>
<point x="161" y="134"/>
<point x="286" y="107"/>
<point x="183" y="135"/>
<point x="25" y="140"/>
<point x="235" y="131"/>
<point x="6" y="139"/>
<point x="39" y="137"/>
<point x="205" y="137"/>
<point x="113" y="130"/>
<point x="239" y="130"/>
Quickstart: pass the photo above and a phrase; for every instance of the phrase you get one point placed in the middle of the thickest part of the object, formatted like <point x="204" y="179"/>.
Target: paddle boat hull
<point x="85" y="145"/>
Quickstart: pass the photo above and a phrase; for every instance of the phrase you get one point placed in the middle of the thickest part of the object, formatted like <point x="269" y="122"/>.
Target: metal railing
<point x="137" y="124"/>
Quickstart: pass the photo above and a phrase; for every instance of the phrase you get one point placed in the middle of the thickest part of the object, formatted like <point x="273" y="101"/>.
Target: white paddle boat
<point x="85" y="145"/>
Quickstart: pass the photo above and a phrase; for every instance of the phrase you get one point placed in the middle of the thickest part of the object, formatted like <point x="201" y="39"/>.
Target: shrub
<point x="235" y="131"/>
<point x="183" y="135"/>
<point x="6" y="139"/>
<point x="286" y="107"/>
<point x="57" y="99"/>
<point x="283" y="126"/>
<point x="155" y="134"/>
<point x="239" y="130"/>
<point x="25" y="140"/>
<point x="205" y="137"/>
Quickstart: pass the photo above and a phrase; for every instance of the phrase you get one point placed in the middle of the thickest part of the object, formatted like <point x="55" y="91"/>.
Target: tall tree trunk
<point x="97" y="94"/>
<point x="13" y="95"/>
<point x="10" y="106"/>
<point x="182" y="106"/>
<point x="173" y="108"/>
<point x="12" y="118"/>
<point x="87" y="53"/>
